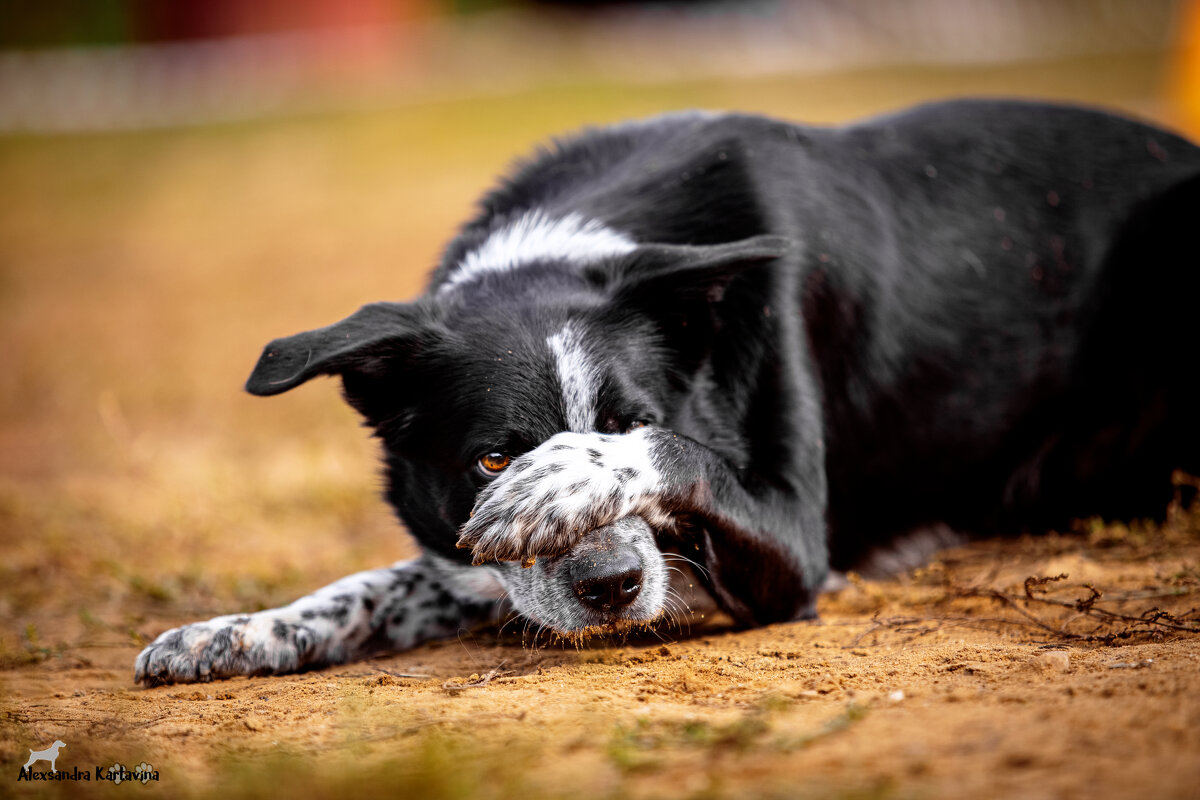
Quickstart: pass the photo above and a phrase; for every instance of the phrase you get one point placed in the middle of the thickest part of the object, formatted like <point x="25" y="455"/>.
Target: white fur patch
<point x="536" y="236"/>
<point x="571" y="484"/>
<point x="578" y="377"/>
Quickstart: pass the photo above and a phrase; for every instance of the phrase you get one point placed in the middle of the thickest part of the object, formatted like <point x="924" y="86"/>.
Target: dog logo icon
<point x="49" y="754"/>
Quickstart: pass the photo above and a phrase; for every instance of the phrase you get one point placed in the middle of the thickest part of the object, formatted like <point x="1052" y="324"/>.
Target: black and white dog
<point x="765" y="348"/>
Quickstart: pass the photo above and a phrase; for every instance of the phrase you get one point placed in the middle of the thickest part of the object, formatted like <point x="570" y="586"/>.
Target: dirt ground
<point x="139" y="489"/>
<point x="951" y="682"/>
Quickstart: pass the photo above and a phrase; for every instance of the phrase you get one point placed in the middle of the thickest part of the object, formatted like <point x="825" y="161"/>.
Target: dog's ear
<point x="681" y="287"/>
<point x="369" y="350"/>
<point x="671" y="271"/>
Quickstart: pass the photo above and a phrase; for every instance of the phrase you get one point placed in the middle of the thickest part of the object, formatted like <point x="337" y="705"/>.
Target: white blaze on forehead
<point x="578" y="377"/>
<point x="536" y="236"/>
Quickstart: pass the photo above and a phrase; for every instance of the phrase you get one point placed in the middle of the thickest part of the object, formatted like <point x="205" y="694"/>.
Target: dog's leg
<point x="762" y="542"/>
<point x="369" y="612"/>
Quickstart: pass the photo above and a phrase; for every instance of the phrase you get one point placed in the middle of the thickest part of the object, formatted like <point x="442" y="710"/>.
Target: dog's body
<point x="765" y="347"/>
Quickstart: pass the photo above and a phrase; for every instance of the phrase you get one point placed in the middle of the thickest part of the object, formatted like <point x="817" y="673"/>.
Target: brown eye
<point x="493" y="464"/>
<point x="633" y="426"/>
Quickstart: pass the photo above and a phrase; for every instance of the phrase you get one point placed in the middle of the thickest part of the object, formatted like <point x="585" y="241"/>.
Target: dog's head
<point x="461" y="383"/>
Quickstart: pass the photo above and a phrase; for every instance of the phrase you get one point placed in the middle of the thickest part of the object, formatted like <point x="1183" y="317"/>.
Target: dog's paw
<point x="221" y="648"/>
<point x="551" y="496"/>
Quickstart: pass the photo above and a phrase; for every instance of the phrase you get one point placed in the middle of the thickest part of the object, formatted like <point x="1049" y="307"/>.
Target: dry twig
<point x="479" y="682"/>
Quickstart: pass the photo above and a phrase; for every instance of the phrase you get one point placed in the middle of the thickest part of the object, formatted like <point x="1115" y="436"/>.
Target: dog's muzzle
<point x="612" y="577"/>
<point x="605" y="577"/>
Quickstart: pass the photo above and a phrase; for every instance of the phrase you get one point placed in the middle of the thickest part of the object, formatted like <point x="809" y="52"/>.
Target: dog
<point x="49" y="754"/>
<point x="759" y="350"/>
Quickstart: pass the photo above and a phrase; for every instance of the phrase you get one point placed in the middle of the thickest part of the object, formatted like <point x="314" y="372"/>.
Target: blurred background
<point x="78" y="65"/>
<point x="182" y="181"/>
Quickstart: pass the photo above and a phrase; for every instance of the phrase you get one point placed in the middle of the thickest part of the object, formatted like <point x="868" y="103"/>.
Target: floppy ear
<point x="367" y="349"/>
<point x="360" y="343"/>
<point x="680" y="287"/>
<point x="665" y="271"/>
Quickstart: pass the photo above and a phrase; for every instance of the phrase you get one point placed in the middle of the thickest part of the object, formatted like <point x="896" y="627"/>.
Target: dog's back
<point x="957" y="286"/>
<point x="1002" y="336"/>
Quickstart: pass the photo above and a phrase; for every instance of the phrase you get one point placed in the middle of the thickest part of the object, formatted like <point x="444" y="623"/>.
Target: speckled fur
<point x="569" y="485"/>
<point x="375" y="611"/>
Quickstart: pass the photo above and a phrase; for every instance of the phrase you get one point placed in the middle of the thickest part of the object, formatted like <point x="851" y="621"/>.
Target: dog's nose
<point x="608" y="584"/>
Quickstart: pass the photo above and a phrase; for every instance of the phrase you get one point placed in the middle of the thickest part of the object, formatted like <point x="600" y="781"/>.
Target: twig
<point x="417" y="675"/>
<point x="487" y="678"/>
<point x="1151" y="620"/>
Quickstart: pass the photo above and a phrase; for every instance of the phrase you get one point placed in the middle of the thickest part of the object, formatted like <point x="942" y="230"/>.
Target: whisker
<point x="525" y="645"/>
<point x="678" y="610"/>
<point x="699" y="567"/>
<point x="512" y="615"/>
<point x="537" y="637"/>
<point x="676" y="570"/>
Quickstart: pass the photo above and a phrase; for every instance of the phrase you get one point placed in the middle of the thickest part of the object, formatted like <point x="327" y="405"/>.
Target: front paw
<point x="550" y="497"/>
<point x="221" y="648"/>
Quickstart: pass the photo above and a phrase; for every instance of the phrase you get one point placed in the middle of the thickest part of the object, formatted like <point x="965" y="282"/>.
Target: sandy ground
<point x="950" y="682"/>
<point x="140" y="274"/>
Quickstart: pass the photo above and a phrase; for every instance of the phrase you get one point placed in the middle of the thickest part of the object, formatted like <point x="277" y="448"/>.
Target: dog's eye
<point x="492" y="464"/>
<point x="614" y="424"/>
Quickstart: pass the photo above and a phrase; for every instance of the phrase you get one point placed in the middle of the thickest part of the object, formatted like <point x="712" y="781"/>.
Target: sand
<point x="947" y="682"/>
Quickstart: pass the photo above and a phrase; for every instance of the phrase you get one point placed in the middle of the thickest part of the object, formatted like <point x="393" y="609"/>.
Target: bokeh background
<point x="181" y="181"/>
